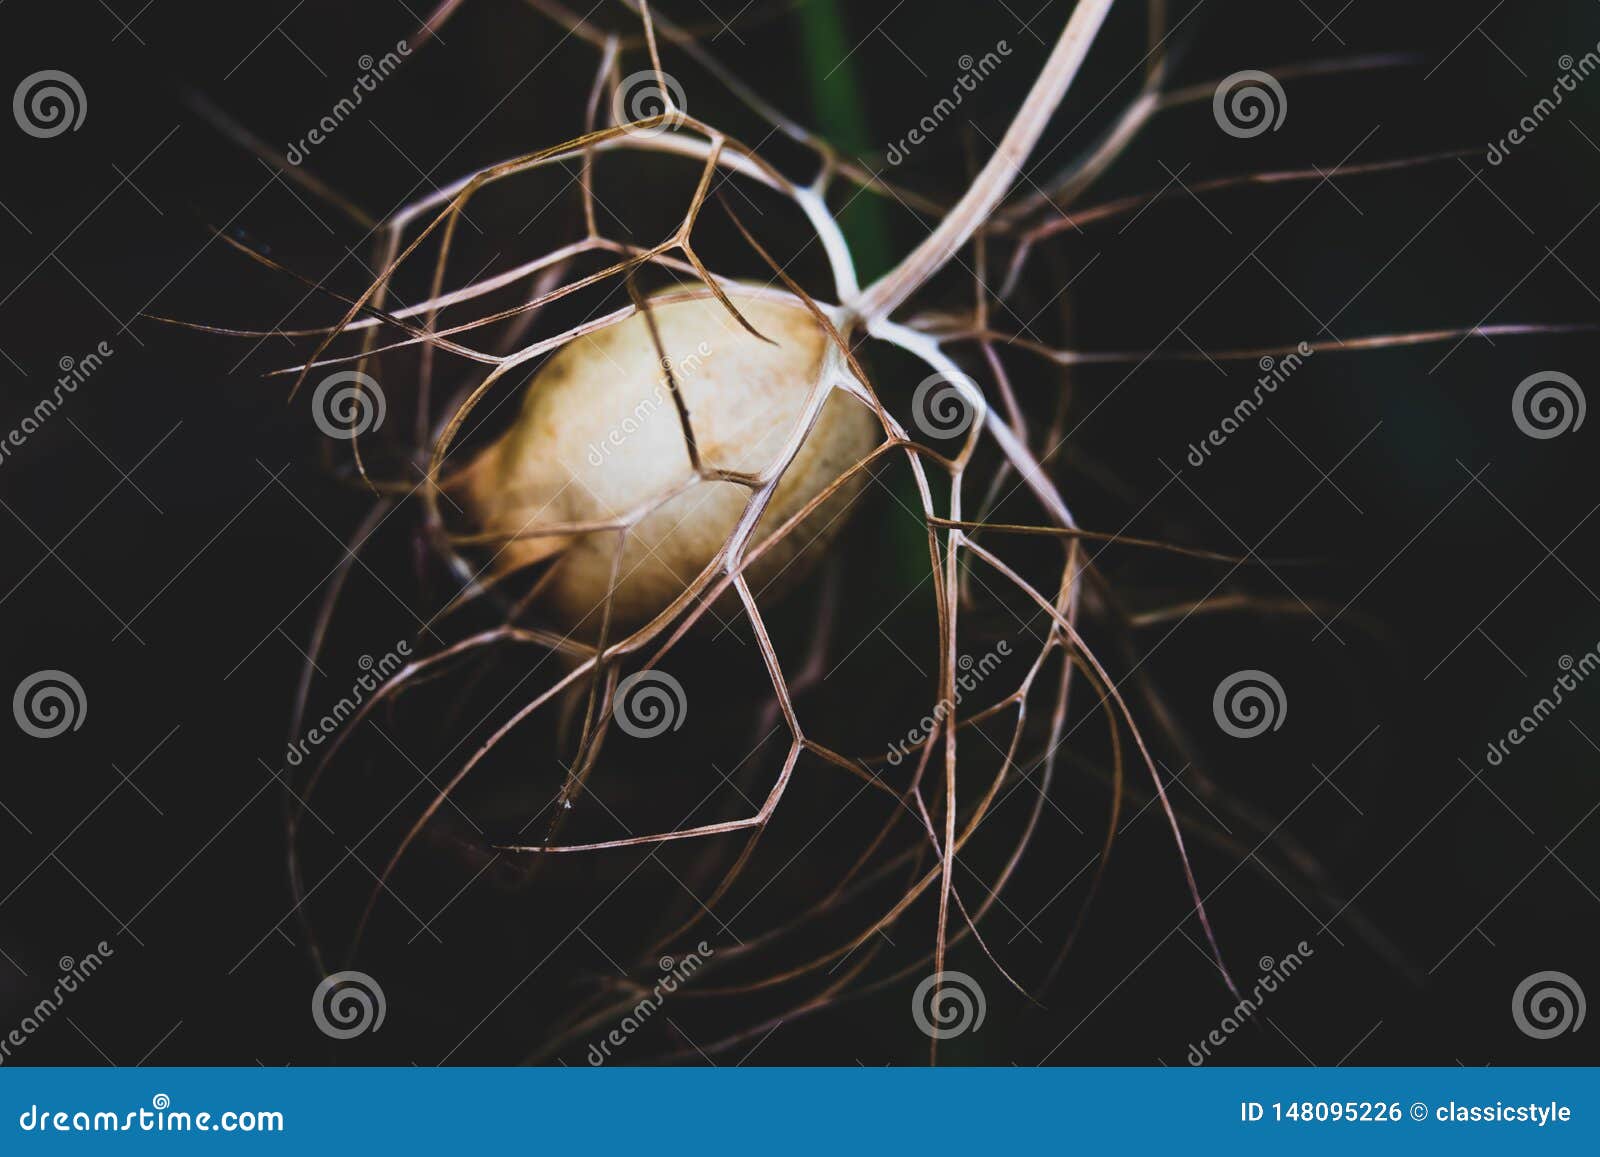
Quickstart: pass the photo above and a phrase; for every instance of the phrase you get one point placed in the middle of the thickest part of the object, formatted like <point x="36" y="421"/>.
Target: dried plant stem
<point x="583" y="677"/>
<point x="995" y="179"/>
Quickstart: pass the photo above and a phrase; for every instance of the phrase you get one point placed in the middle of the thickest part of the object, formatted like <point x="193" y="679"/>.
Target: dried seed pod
<point x="600" y="439"/>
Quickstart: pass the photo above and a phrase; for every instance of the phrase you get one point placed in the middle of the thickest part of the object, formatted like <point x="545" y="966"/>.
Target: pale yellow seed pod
<point x="599" y="438"/>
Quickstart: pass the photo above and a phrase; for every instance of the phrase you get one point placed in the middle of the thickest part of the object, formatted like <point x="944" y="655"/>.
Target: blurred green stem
<point x="839" y="113"/>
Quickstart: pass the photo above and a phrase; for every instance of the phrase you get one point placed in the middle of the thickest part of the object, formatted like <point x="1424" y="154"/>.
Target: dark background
<point x="165" y="535"/>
